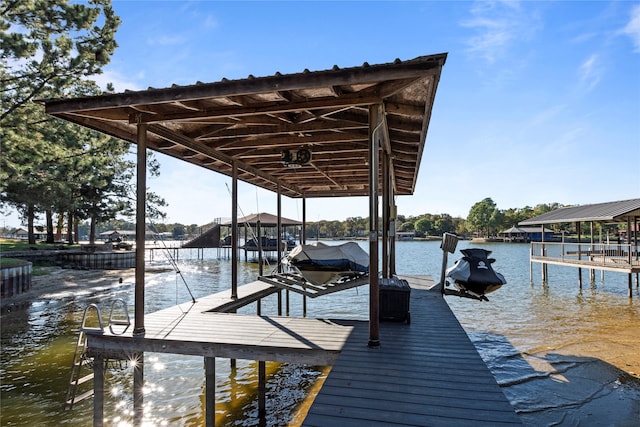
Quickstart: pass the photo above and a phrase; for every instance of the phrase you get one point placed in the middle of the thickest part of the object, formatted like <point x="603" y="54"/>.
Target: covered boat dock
<point x="341" y="132"/>
<point x="605" y="254"/>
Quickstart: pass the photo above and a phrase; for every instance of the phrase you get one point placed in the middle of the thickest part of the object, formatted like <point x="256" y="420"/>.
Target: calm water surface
<point x="563" y="356"/>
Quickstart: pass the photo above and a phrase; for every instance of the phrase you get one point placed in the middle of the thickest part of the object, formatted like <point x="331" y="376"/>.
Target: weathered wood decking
<point x="427" y="373"/>
<point x="207" y="328"/>
<point x="424" y="373"/>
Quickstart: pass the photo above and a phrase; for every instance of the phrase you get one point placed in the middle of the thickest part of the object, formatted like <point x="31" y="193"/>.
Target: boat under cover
<point x="320" y="263"/>
<point x="473" y="273"/>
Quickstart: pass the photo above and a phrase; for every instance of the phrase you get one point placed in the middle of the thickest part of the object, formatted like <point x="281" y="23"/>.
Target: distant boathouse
<point x="607" y="253"/>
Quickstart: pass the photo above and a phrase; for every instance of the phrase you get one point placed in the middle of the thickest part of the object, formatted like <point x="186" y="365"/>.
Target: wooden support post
<point x="138" y="389"/>
<point x="579" y="254"/>
<point x="531" y="263"/>
<point x="543" y="254"/>
<point x="98" y="391"/>
<point x="280" y="302"/>
<point x="286" y="294"/>
<point x="260" y="253"/>
<point x="392" y="242"/>
<point x="210" y="391"/>
<point x="592" y="272"/>
<point x="234" y="231"/>
<point x="262" y="389"/>
<point x="303" y="238"/>
<point x="375" y="120"/>
<point x="303" y="241"/>
<point x="579" y="277"/>
<point x="304" y="306"/>
<point x="385" y="214"/>
<point x="279" y="230"/>
<point x="141" y="198"/>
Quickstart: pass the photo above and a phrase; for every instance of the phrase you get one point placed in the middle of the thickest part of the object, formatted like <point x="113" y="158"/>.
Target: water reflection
<point x="539" y="339"/>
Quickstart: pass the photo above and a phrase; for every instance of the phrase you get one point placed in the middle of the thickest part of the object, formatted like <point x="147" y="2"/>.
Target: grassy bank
<point x="12" y="262"/>
<point x="17" y="245"/>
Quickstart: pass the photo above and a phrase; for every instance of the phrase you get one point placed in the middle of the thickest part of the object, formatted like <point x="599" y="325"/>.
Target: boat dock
<point x="622" y="257"/>
<point x="591" y="256"/>
<point x="427" y="372"/>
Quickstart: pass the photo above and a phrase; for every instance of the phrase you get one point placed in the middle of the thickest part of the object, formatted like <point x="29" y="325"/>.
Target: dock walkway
<point x="209" y="328"/>
<point x="427" y="373"/>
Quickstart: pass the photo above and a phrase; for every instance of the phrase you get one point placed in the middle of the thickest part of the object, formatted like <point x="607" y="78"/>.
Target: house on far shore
<point x="23" y="233"/>
<point x="526" y="234"/>
<point x="118" y="235"/>
<point x="405" y="235"/>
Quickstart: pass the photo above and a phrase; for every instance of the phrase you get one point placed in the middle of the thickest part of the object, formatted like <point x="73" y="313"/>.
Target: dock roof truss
<point x="250" y="122"/>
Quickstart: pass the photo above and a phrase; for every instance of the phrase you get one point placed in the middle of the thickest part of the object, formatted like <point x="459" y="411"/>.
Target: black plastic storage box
<point x="395" y="295"/>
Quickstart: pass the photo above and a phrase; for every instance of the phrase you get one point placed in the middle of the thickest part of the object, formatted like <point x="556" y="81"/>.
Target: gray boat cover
<point x="345" y="257"/>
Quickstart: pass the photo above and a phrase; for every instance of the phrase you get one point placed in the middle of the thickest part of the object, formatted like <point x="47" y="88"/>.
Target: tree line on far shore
<point x="485" y="219"/>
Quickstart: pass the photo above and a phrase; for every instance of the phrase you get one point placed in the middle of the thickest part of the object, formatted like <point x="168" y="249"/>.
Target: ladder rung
<point x="119" y="322"/>
<point x="79" y="398"/>
<point x="82" y="362"/>
<point x="84" y="379"/>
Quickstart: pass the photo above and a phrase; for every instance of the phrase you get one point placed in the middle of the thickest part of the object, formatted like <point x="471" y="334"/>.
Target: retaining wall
<point x="15" y="280"/>
<point x="101" y="260"/>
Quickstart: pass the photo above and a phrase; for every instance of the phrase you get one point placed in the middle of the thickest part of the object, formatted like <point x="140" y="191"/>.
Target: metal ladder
<point x="82" y="365"/>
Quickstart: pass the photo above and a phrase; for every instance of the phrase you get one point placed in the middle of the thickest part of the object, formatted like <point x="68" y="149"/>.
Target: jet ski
<point x="473" y="275"/>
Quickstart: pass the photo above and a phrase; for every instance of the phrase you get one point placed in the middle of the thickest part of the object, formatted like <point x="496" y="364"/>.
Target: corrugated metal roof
<point x="599" y="212"/>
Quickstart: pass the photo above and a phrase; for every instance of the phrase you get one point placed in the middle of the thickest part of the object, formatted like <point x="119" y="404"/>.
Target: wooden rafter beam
<point x="202" y="149"/>
<point x="274" y="130"/>
<point x="259" y="108"/>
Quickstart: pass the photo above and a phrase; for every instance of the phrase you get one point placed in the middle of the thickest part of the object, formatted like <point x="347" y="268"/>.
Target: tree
<point x="482" y="216"/>
<point x="424" y="225"/>
<point x="47" y="48"/>
<point x="444" y="224"/>
<point x="406" y="226"/>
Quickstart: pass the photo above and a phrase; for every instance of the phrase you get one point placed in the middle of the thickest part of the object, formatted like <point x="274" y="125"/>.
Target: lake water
<point x="562" y="355"/>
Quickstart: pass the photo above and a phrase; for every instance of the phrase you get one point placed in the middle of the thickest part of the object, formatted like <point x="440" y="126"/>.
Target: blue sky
<point x="539" y="102"/>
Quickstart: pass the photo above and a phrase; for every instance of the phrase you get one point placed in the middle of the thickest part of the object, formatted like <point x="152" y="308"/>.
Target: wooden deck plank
<point x="424" y="373"/>
<point x="200" y="331"/>
<point x="222" y="301"/>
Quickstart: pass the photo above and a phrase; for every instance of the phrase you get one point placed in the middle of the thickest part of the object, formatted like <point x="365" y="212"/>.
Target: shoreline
<point x="59" y="283"/>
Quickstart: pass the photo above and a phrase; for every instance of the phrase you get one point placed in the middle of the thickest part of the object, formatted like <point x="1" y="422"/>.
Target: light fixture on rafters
<point x="296" y="158"/>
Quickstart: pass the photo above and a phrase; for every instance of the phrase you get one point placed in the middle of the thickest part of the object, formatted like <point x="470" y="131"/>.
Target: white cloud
<point x="590" y="72"/>
<point x="498" y="25"/>
<point x="119" y="81"/>
<point x="167" y="40"/>
<point x="210" y="22"/>
<point x="632" y="29"/>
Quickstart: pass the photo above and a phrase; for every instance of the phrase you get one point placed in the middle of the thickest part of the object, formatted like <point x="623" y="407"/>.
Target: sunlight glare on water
<point x="536" y="338"/>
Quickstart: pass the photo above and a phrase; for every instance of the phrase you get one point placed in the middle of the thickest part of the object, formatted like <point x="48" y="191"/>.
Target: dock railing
<point x="614" y="255"/>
